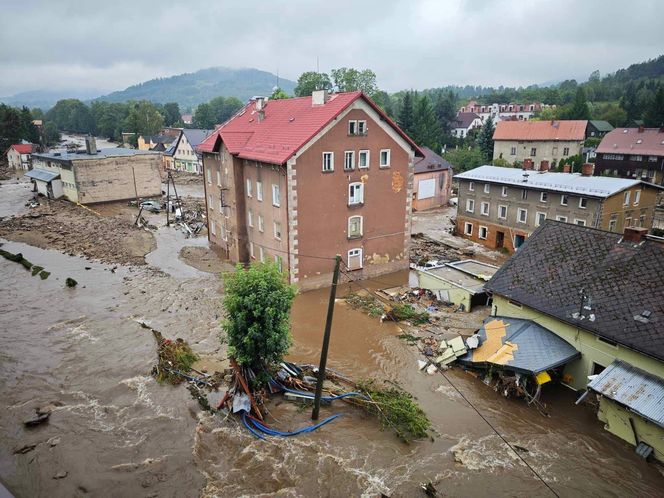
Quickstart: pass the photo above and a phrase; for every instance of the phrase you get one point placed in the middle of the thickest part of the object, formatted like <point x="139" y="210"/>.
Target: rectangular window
<point x="280" y="263"/>
<point x="522" y="215"/>
<point x="224" y="235"/>
<point x="250" y="218"/>
<point x="581" y="223"/>
<point x="583" y="202"/>
<point x="349" y="160"/>
<point x="471" y="186"/>
<point x="533" y="151"/>
<point x="612" y="225"/>
<point x="276" y="195"/>
<point x="261" y="223"/>
<point x="361" y="127"/>
<point x="539" y="218"/>
<point x="544" y="196"/>
<point x="626" y="198"/>
<point x="564" y="200"/>
<point x="354" y="259"/>
<point x="210" y="203"/>
<point x="355" y="193"/>
<point x="352" y="127"/>
<point x="328" y="161"/>
<point x="561" y="218"/>
<point x="513" y="151"/>
<point x="468" y="228"/>
<point x="261" y="253"/>
<point x="484" y="209"/>
<point x="470" y="205"/>
<point x="219" y="178"/>
<point x="249" y="188"/>
<point x="524" y="194"/>
<point x="221" y="205"/>
<point x="213" y="229"/>
<point x="554" y="151"/>
<point x="363" y="159"/>
<point x="628" y="222"/>
<point x="259" y="190"/>
<point x="251" y="250"/>
<point x="354" y="227"/>
<point x="637" y="197"/>
<point x="565" y="151"/>
<point x="385" y="158"/>
<point x="487" y="188"/>
<point x="642" y="220"/>
<point x="484" y="231"/>
<point x="502" y="212"/>
<point x="504" y="192"/>
<point x="209" y="176"/>
<point x="277" y="230"/>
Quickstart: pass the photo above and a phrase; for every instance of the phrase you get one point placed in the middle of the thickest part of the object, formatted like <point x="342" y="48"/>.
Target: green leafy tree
<point x="143" y="118"/>
<point x="426" y="129"/>
<point x="654" y="115"/>
<point x="464" y="158"/>
<point x="222" y="108"/>
<point x="257" y="303"/>
<point x="485" y="140"/>
<point x="406" y="117"/>
<point x="203" y="117"/>
<point x="279" y="94"/>
<point x="579" y="108"/>
<point x="352" y="80"/>
<point x="385" y="102"/>
<point x="310" y="81"/>
<point x="612" y="113"/>
<point x="446" y="110"/>
<point x="51" y="133"/>
<point x="171" y="113"/>
<point x="72" y="115"/>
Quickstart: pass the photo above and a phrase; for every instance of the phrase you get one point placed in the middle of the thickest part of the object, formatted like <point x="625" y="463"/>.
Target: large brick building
<point x="501" y="207"/>
<point x="300" y="180"/>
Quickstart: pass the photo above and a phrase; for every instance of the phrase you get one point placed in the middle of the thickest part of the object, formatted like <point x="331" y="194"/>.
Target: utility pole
<point x="168" y="199"/>
<point x="326" y="340"/>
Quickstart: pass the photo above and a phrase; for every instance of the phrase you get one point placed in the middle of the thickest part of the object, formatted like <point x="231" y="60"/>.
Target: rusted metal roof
<point x="641" y="392"/>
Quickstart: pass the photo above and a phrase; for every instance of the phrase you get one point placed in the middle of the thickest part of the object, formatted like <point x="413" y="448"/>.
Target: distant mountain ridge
<point x="191" y="89"/>
<point x="45" y="99"/>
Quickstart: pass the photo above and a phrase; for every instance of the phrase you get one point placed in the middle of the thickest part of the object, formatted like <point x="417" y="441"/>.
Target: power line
<point x="464" y="397"/>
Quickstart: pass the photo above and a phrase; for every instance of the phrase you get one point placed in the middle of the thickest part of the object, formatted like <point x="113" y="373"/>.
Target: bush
<point x="406" y="312"/>
<point x="257" y="326"/>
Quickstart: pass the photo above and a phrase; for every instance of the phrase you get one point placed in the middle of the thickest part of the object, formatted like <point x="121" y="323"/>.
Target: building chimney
<point x="90" y="145"/>
<point x="319" y="97"/>
<point x="641" y="128"/>
<point x="587" y="169"/>
<point x="544" y="166"/>
<point x="567" y="168"/>
<point x="259" y="102"/>
<point x="635" y="234"/>
<point x="528" y="164"/>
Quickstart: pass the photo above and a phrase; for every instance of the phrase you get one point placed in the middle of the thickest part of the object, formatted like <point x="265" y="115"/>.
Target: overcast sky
<point x="109" y="45"/>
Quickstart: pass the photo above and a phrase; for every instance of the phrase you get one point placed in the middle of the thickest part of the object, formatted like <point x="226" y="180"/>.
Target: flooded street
<point x="117" y="432"/>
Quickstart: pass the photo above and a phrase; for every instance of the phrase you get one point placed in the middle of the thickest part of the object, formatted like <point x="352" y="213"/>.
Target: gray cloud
<point x="409" y="44"/>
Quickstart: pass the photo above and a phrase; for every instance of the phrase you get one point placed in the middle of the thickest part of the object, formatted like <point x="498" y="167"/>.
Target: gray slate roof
<point x="430" y="162"/>
<point x="102" y="153"/>
<point x="538" y="349"/>
<point x="621" y="280"/>
<point x="465" y="119"/>
<point x="601" y="125"/>
<point x="574" y="183"/>
<point x="42" y="175"/>
<point x="629" y="386"/>
<point x="195" y="136"/>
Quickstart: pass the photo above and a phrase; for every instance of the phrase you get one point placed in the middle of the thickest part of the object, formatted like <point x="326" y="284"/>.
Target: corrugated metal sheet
<point x="42" y="175"/>
<point x="641" y="392"/>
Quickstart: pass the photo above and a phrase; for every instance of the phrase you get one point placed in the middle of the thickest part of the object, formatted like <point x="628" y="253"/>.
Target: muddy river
<point x="116" y="432"/>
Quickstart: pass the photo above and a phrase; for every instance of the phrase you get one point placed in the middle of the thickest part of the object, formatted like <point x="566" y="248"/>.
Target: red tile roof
<point x="541" y="130"/>
<point x="288" y="125"/>
<point x="22" y="148"/>
<point x="629" y="141"/>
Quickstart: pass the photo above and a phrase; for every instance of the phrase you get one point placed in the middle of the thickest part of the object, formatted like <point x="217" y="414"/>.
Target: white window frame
<point x="637" y="197"/>
<point x="351" y="154"/>
<point x="328" y="162"/>
<point x="357" y="252"/>
<point x="612" y="225"/>
<point x="261" y="223"/>
<point x="355" y="199"/>
<point x="388" y="153"/>
<point x="361" y="230"/>
<point x="468" y="228"/>
<point x="539" y="215"/>
<point x="581" y="203"/>
<point x="561" y="218"/>
<point x="259" y="190"/>
<point x="518" y="215"/>
<point x="362" y="127"/>
<point x="250" y="192"/>
<point x="504" y="192"/>
<point x="626" y="198"/>
<point x="250" y="218"/>
<point x="500" y="207"/>
<point x="564" y="200"/>
<point x="210" y="202"/>
<point x="367" y="154"/>
<point x="224" y="233"/>
<point x="471" y="186"/>
<point x="279" y="262"/>
<point x="486" y="232"/>
<point x="276" y="230"/>
<point x="487" y="188"/>
<point x="213" y="228"/>
<point x="252" y="255"/>
<point x="524" y="194"/>
<point x="488" y="208"/>
<point x="544" y="197"/>
<point x="352" y="123"/>
<point x="470" y="205"/>
<point x="276" y="195"/>
<point x="580" y="222"/>
<point x="209" y="176"/>
<point x="261" y="254"/>
<point x="219" y="177"/>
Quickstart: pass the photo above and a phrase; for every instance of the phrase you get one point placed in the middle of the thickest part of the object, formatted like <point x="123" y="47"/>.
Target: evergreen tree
<point x="654" y="115"/>
<point x="406" y="117"/>
<point x="485" y="140"/>
<point x="426" y="129"/>
<point x="579" y="108"/>
<point x="171" y="113"/>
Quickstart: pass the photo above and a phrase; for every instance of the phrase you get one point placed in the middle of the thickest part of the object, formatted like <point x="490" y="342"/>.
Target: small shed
<point x="48" y="183"/>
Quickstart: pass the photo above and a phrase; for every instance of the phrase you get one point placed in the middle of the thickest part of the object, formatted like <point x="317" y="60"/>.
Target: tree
<point x="446" y="110"/>
<point x="310" y="81"/>
<point x="143" y="118"/>
<point x="352" y="80"/>
<point x="426" y="129"/>
<point x="485" y="139"/>
<point x="406" y="117"/>
<point x="257" y="305"/>
<point x="654" y="115"/>
<point x="171" y="113"/>
<point x="464" y="158"/>
<point x="72" y="115"/>
<point x="278" y="94"/>
<point x="203" y="117"/>
<point x="51" y="133"/>
<point x="579" y="108"/>
<point x="385" y="102"/>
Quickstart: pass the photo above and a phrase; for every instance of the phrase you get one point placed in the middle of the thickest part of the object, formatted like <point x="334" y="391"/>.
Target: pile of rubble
<point x="424" y="249"/>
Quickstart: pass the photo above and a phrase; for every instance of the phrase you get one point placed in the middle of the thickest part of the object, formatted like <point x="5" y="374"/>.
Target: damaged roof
<point x="623" y="283"/>
<point x="629" y="386"/>
<point x="519" y="345"/>
<point x="42" y="175"/>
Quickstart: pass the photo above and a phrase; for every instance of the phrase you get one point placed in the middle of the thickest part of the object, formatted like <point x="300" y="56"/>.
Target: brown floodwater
<point x="122" y="434"/>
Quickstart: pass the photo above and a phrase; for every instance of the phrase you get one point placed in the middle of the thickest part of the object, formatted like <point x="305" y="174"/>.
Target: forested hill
<point x="191" y="89"/>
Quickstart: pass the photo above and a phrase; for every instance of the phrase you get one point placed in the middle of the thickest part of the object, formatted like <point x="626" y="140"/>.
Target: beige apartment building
<point x="501" y="207"/>
<point x="542" y="142"/>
